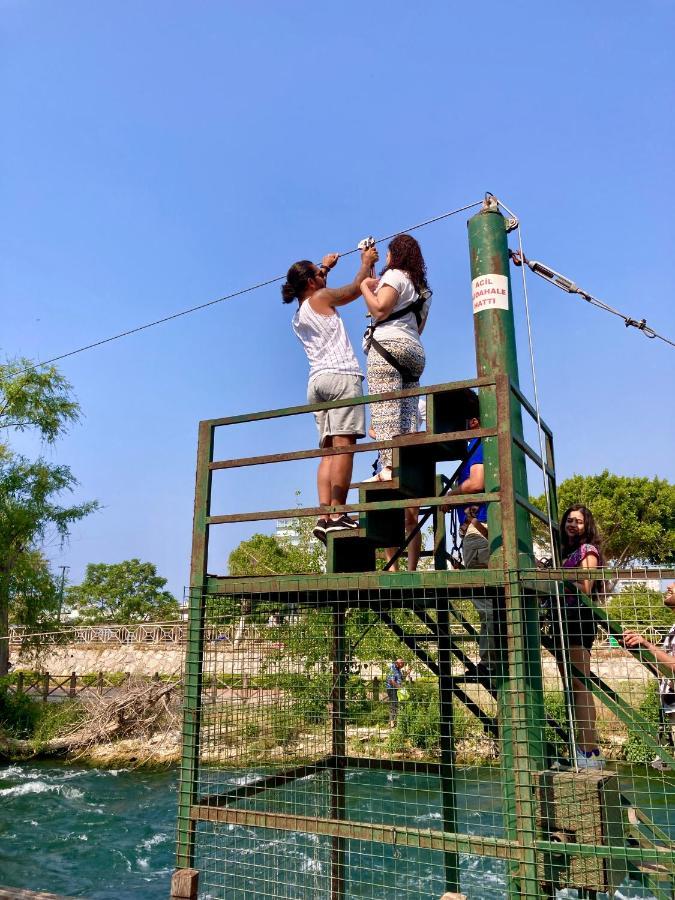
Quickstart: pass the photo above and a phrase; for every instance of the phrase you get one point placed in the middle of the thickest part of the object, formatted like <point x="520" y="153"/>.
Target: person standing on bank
<point x="398" y="303"/>
<point x="334" y="373"/>
<point x="665" y="656"/>
<point x="394" y="682"/>
<point x="580" y="549"/>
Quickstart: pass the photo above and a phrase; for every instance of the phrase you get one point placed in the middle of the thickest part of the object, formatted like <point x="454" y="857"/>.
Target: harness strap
<point x="405" y="373"/>
<point x="415" y="307"/>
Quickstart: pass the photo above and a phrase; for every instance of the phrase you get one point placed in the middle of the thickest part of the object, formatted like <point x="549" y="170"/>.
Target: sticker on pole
<point x="490" y="292"/>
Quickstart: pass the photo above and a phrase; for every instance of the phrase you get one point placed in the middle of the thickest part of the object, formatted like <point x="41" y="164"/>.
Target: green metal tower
<point x="283" y="794"/>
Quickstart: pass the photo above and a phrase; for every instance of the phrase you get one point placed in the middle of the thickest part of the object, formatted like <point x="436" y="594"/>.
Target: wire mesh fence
<point x="481" y="727"/>
<point x="370" y="741"/>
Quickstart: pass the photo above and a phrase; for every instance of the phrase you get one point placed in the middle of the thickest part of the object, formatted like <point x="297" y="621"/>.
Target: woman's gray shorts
<point x="348" y="420"/>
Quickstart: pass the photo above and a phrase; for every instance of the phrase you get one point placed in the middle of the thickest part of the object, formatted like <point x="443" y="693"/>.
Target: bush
<point x="312" y="696"/>
<point x="636" y="750"/>
<point x="418" y="717"/>
<point x="56" y="718"/>
<point x="556" y="708"/>
<point x="18" y="713"/>
<point x="637" y="608"/>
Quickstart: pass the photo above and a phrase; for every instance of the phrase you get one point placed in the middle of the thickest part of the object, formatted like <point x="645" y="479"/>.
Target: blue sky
<point x="158" y="155"/>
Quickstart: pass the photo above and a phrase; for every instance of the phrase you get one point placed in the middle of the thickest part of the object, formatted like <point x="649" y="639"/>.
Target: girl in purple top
<point x="580" y="544"/>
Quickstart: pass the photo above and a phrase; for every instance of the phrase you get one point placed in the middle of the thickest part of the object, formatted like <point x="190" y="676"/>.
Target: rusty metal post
<point x="194" y="652"/>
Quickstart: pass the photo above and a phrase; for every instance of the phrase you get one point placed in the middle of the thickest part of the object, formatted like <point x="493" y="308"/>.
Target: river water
<point x="105" y="834"/>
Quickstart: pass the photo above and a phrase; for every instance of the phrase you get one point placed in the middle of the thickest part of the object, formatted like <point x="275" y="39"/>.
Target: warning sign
<point x="490" y="292"/>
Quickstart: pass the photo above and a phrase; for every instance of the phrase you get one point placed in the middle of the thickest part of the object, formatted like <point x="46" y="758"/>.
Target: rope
<point x="566" y="667"/>
<point x="239" y="293"/>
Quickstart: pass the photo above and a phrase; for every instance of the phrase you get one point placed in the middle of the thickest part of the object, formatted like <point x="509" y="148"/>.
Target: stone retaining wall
<point x="136" y="659"/>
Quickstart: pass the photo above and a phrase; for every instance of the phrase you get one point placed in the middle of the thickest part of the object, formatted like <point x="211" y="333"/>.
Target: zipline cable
<point x="566" y="672"/>
<point x="567" y="285"/>
<point x="246" y="290"/>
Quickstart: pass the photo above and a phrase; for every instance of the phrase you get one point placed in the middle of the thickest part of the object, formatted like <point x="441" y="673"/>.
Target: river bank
<point x="138" y="724"/>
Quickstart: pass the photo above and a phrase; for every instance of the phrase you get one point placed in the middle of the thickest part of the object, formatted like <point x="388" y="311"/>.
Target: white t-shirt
<point x="325" y="342"/>
<point x="406" y="326"/>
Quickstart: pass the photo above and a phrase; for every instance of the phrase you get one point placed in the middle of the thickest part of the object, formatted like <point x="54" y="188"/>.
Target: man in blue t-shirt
<point x="473" y="519"/>
<point x="475" y="547"/>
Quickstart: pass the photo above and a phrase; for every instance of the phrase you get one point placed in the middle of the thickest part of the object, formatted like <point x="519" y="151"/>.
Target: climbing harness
<point x="455" y="557"/>
<point x="416" y="307"/>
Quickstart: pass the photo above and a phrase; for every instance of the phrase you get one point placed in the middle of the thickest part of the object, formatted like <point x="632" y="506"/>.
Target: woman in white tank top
<point x="398" y="304"/>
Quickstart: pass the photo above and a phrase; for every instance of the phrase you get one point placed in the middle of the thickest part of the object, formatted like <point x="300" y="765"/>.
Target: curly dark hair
<point x="406" y="255"/>
<point x="591" y="533"/>
<point x="297" y="279"/>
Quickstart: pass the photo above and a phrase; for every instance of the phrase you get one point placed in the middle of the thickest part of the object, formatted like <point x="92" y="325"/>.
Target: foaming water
<point x="93" y="833"/>
<point x="104" y="834"/>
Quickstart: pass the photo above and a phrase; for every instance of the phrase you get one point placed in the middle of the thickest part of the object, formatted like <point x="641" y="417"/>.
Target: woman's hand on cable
<point x="632" y="640"/>
<point x="330" y="259"/>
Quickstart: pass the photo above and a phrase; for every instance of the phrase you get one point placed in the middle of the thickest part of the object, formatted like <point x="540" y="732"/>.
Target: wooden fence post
<point x="72" y="692"/>
<point x="99" y="683"/>
<point x="19" y="683"/>
<point x="45" y="687"/>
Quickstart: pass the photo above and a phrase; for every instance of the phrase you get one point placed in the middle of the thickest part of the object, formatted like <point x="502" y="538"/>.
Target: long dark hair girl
<point x="590" y="534"/>
<point x="405" y="254"/>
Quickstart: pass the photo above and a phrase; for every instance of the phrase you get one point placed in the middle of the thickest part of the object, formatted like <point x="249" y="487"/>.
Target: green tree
<point x="34" y="592"/>
<point x="637" y="607"/>
<point x="29" y="510"/>
<point x="636" y="515"/>
<point x="125" y="592"/>
<point x="35" y="398"/>
<point x="264" y="554"/>
<point x="40" y="399"/>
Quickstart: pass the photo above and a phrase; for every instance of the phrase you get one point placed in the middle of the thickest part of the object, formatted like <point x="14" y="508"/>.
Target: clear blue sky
<point x="158" y="155"/>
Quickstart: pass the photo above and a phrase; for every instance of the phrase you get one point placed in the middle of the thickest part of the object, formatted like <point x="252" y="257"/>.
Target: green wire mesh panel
<point x="315" y="781"/>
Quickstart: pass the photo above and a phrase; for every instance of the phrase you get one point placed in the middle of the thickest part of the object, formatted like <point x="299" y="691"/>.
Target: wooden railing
<point x="47" y="686"/>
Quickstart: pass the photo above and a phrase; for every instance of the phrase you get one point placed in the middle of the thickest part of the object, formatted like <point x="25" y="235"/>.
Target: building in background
<point x="288" y="532"/>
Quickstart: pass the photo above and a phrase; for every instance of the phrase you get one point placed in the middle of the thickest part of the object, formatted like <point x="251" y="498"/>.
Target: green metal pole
<point x="520" y="693"/>
<point x="188" y="791"/>
<point x="339" y="742"/>
<point x="496" y="354"/>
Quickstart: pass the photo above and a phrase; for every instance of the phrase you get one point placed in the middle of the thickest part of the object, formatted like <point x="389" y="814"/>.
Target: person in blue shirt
<point x="475" y="546"/>
<point x="393" y="683"/>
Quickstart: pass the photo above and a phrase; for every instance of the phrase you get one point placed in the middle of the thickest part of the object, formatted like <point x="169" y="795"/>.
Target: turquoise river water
<point x="105" y="834"/>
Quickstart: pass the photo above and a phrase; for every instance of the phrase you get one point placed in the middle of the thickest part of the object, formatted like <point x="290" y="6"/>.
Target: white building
<point x="288" y="531"/>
